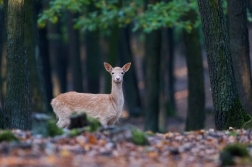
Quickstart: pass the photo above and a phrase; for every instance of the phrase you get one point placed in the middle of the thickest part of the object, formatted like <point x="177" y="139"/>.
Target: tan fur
<point x="107" y="108"/>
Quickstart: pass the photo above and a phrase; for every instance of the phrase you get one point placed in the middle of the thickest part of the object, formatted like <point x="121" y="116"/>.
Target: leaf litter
<point x="187" y="149"/>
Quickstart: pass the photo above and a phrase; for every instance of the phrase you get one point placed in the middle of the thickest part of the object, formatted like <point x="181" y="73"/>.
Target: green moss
<point x="247" y="125"/>
<point x="139" y="137"/>
<point x="53" y="129"/>
<point x="93" y="123"/>
<point x="236" y="116"/>
<point x="8" y="136"/>
<point x="230" y="152"/>
<point x="75" y="132"/>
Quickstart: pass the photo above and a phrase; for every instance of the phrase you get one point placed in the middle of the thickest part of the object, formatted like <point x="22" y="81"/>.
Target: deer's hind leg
<point x="63" y="117"/>
<point x="63" y="123"/>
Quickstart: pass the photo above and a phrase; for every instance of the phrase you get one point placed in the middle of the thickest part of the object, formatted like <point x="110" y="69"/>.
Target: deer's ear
<point x="126" y="67"/>
<point x="108" y="67"/>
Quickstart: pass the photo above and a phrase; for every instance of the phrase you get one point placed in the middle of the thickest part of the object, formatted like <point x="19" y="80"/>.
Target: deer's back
<point x="82" y="102"/>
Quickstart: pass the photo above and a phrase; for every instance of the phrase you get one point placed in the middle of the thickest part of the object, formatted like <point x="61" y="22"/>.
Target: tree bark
<point x="38" y="93"/>
<point x="17" y="106"/>
<point x="228" y="110"/>
<point x="74" y="55"/>
<point x="171" y="77"/>
<point x="93" y="61"/>
<point x="2" y="41"/>
<point x="152" y="80"/>
<point x="45" y="58"/>
<point x="239" y="47"/>
<point x="196" y="94"/>
<point x="163" y="95"/>
<point x="58" y="51"/>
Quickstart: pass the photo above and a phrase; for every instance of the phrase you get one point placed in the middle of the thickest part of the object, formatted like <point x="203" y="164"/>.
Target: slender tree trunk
<point x="196" y="94"/>
<point x="17" y="106"/>
<point x="74" y="55"/>
<point x="228" y="111"/>
<point x="163" y="100"/>
<point x="39" y="102"/>
<point x="132" y="97"/>
<point x="171" y="77"/>
<point x="152" y="77"/>
<point x="239" y="47"/>
<point x="45" y="58"/>
<point x="94" y="64"/>
<point x="93" y="60"/>
<point x="58" y="50"/>
<point x="152" y="80"/>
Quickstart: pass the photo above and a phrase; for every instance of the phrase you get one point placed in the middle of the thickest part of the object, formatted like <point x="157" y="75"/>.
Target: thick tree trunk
<point x="74" y="55"/>
<point x="196" y="94"/>
<point x="239" y="47"/>
<point x="132" y="97"/>
<point x="2" y="41"/>
<point x="38" y="93"/>
<point x="228" y="110"/>
<point x="17" y="106"/>
<point x="152" y="80"/>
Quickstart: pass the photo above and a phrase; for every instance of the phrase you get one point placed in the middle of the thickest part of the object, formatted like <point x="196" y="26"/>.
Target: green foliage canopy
<point x="112" y="13"/>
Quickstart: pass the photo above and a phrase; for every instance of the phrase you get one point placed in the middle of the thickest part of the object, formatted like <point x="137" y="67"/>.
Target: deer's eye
<point x="112" y="73"/>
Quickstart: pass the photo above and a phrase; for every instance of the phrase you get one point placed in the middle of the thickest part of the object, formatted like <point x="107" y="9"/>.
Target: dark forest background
<point x="61" y="46"/>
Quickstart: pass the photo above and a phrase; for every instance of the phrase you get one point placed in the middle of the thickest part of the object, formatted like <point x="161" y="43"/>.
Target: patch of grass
<point x="139" y="137"/>
<point x="53" y="129"/>
<point x="231" y="152"/>
<point x="8" y="136"/>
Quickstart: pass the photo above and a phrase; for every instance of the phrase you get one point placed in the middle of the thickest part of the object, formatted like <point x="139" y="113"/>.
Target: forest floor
<point x="173" y="149"/>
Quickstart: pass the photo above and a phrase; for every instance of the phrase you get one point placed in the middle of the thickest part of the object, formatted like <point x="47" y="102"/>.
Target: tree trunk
<point x="228" y="111"/>
<point x="17" y="106"/>
<point x="112" y="55"/>
<point x="132" y="97"/>
<point x="94" y="64"/>
<point x="93" y="61"/>
<point x="239" y="47"/>
<point x="171" y="77"/>
<point x="74" y="55"/>
<point x="58" y="51"/>
<point x="196" y="94"/>
<point x="38" y="94"/>
<point x="163" y="97"/>
<point x="2" y="41"/>
<point x="45" y="59"/>
<point x="152" y="80"/>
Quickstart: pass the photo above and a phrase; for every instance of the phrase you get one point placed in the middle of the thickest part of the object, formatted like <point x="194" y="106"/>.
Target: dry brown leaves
<point x="188" y="149"/>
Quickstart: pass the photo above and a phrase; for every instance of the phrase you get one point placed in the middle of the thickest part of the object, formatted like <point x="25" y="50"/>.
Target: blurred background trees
<point x="66" y="50"/>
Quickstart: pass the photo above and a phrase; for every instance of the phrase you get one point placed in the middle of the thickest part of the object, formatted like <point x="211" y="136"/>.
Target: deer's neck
<point x="117" y="94"/>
